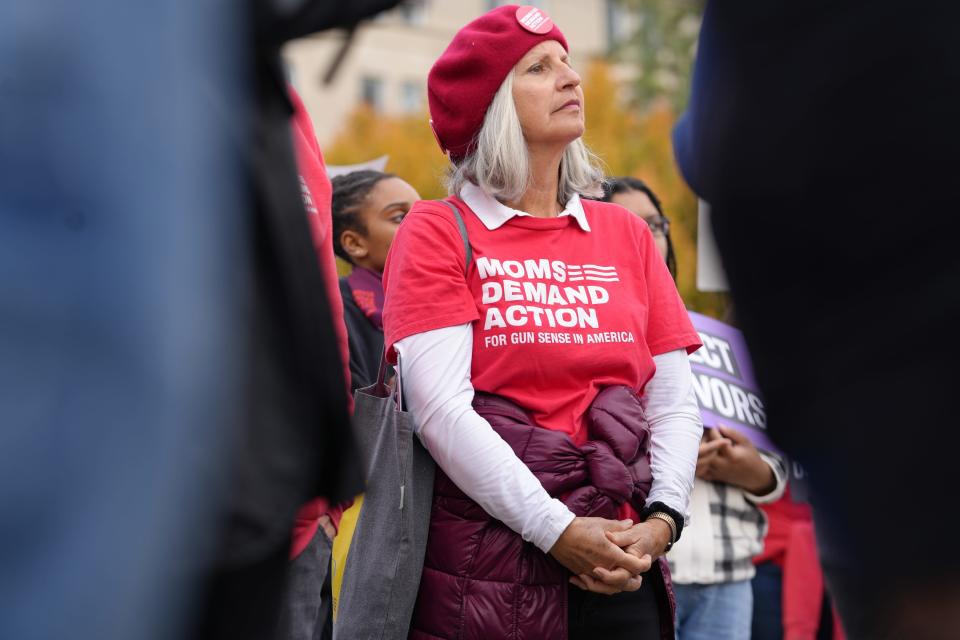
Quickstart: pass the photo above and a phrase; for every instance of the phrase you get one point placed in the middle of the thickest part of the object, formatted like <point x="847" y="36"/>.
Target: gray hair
<point x="500" y="163"/>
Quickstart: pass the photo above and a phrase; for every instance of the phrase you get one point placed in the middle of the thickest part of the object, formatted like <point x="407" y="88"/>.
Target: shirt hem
<point x="687" y="342"/>
<point x="437" y="322"/>
<point x="710" y="580"/>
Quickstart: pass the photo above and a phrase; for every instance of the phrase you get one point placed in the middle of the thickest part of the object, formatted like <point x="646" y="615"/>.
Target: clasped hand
<point x="609" y="556"/>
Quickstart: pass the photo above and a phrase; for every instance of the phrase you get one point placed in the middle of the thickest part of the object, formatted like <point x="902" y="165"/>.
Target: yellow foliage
<point x="414" y="154"/>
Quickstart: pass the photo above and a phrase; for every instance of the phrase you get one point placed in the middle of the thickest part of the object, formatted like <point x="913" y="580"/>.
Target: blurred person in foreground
<point x="826" y="149"/>
<point x="560" y="411"/>
<point x="712" y="566"/>
<point x="306" y="603"/>
<point x="295" y="444"/>
<point x="125" y="236"/>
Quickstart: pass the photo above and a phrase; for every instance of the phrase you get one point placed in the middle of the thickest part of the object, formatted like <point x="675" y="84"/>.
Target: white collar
<point x="494" y="214"/>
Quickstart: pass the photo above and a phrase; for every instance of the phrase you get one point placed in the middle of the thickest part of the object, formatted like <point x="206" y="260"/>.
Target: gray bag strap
<point x="462" y="226"/>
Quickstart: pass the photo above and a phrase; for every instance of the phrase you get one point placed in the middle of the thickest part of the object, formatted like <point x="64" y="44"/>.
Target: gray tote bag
<point x="382" y="573"/>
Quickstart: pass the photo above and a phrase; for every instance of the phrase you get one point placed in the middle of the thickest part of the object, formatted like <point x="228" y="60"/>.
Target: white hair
<point x="500" y="161"/>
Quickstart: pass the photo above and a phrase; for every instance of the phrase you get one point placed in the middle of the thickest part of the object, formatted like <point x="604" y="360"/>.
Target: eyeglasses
<point x="659" y="225"/>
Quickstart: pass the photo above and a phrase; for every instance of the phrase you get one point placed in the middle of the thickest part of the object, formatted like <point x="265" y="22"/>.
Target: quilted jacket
<point x="480" y="579"/>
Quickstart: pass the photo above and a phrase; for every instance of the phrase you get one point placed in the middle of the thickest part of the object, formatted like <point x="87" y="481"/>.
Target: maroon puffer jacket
<point x="480" y="579"/>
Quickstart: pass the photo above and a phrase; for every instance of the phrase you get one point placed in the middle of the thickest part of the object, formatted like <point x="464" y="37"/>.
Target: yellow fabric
<point x="341" y="547"/>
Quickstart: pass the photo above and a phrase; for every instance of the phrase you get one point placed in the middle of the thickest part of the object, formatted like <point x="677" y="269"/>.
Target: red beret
<point x="463" y="81"/>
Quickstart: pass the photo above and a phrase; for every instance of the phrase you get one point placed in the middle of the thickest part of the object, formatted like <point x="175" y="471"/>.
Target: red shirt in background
<point x="316" y="189"/>
<point x="791" y="544"/>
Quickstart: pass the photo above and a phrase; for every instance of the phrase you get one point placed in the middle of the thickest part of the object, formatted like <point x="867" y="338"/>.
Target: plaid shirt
<point x="725" y="532"/>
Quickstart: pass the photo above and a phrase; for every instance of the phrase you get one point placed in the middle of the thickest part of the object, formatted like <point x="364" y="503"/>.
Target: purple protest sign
<point x="724" y="382"/>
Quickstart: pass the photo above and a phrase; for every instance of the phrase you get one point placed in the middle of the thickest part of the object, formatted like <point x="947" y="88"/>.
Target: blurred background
<point x="367" y="96"/>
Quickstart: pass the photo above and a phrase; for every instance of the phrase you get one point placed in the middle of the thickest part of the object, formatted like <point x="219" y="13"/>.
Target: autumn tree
<point x="407" y="140"/>
<point x="661" y="48"/>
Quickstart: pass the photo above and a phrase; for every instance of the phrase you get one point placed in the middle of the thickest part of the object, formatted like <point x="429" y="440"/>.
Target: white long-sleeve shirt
<point x="435" y="369"/>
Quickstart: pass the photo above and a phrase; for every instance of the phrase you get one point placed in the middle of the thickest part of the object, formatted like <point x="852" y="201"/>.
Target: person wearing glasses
<point x="634" y="195"/>
<point x="712" y="567"/>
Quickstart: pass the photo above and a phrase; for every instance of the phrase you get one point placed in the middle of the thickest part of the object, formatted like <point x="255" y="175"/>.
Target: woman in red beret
<point x="561" y="317"/>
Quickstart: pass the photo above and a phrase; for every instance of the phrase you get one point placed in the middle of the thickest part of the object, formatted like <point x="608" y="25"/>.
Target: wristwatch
<point x="666" y="517"/>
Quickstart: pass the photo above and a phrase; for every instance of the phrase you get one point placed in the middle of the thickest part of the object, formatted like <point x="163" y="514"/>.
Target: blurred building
<point x="387" y="64"/>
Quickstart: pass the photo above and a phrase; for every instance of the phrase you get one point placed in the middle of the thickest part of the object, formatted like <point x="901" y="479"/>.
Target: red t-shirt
<point x="317" y="192"/>
<point x="558" y="313"/>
